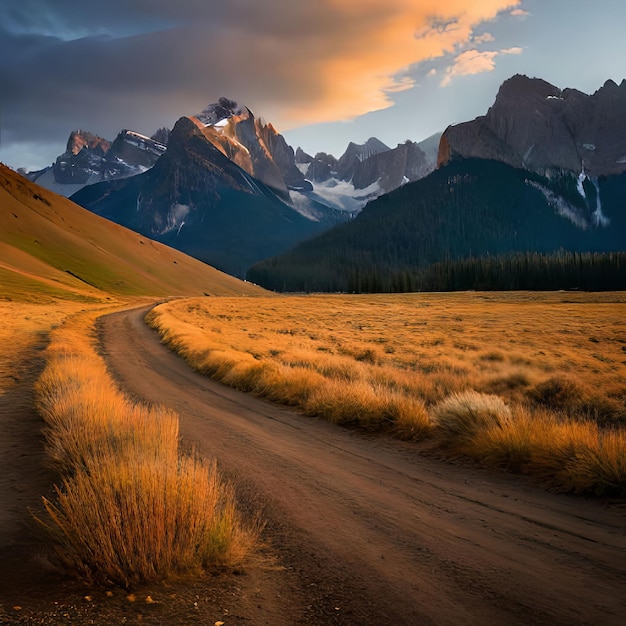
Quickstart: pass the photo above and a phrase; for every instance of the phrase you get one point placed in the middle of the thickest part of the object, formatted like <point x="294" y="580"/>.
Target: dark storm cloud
<point x="141" y="64"/>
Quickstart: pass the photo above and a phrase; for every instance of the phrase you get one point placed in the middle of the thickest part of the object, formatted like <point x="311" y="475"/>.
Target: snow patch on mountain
<point x="338" y="194"/>
<point x="579" y="184"/>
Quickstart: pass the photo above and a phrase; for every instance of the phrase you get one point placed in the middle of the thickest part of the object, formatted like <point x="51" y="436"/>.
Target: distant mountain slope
<point x="198" y="200"/>
<point x="50" y="247"/>
<point x="468" y="208"/>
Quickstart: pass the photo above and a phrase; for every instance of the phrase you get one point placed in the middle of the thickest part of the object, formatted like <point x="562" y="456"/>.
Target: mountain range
<point x="89" y="159"/>
<point x="542" y="171"/>
<point x="229" y="190"/>
<point x="197" y="200"/>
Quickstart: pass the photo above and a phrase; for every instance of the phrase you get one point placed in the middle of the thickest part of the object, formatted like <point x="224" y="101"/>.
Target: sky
<point x="323" y="72"/>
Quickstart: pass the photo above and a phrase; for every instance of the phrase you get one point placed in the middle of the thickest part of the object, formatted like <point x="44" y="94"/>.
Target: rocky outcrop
<point x="134" y="151"/>
<point x="283" y="156"/>
<point x="302" y="156"/>
<point x="80" y="139"/>
<point x="321" y="167"/>
<point x="537" y="126"/>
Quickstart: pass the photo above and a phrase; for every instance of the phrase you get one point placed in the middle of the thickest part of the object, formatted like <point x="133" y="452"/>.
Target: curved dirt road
<point x="370" y="532"/>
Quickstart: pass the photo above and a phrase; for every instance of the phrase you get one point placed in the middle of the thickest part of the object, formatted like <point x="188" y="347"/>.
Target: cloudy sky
<point x="324" y="72"/>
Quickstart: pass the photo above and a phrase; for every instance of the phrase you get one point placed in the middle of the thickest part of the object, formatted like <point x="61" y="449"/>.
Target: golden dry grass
<point x="52" y="249"/>
<point x="23" y="329"/>
<point x="554" y="363"/>
<point x="131" y="507"/>
<point x="460" y="417"/>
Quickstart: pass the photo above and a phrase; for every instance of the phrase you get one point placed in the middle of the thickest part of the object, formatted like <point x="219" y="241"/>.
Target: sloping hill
<point x="51" y="247"/>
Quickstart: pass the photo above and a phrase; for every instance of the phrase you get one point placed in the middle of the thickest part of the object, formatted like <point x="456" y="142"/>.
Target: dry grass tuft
<point x="144" y="518"/>
<point x="412" y="420"/>
<point x="601" y="466"/>
<point x="131" y="508"/>
<point x="565" y="455"/>
<point x="463" y="416"/>
<point x="578" y="400"/>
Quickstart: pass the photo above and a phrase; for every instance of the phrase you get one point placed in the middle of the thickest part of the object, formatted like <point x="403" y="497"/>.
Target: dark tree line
<point x="587" y="271"/>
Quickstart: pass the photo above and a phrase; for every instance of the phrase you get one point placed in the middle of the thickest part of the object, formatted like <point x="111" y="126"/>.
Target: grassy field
<point x="533" y="382"/>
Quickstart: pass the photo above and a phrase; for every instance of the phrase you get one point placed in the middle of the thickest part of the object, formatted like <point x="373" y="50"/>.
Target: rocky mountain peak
<point x="535" y="125"/>
<point x="223" y="109"/>
<point x="80" y="139"/>
<point x="357" y="153"/>
<point x="522" y="87"/>
<point x="252" y="144"/>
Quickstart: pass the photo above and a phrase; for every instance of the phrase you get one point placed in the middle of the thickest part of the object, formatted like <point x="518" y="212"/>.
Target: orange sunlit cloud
<point x="475" y="62"/>
<point x="364" y="64"/>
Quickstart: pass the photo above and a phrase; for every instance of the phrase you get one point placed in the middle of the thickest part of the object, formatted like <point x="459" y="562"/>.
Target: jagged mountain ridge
<point x="367" y="171"/>
<point x="355" y="154"/>
<point x="349" y="182"/>
<point x="198" y="200"/>
<point x="89" y="159"/>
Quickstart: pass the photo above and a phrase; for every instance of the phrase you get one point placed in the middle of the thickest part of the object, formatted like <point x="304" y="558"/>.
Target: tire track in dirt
<point x="371" y="532"/>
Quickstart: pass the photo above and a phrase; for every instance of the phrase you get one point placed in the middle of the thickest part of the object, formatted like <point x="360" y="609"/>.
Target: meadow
<point x="531" y="382"/>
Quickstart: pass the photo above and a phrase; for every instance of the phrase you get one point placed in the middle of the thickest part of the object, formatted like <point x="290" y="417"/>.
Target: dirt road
<point x="369" y="531"/>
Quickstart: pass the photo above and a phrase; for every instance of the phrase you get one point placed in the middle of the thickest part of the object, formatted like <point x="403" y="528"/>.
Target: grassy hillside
<point x="51" y="248"/>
